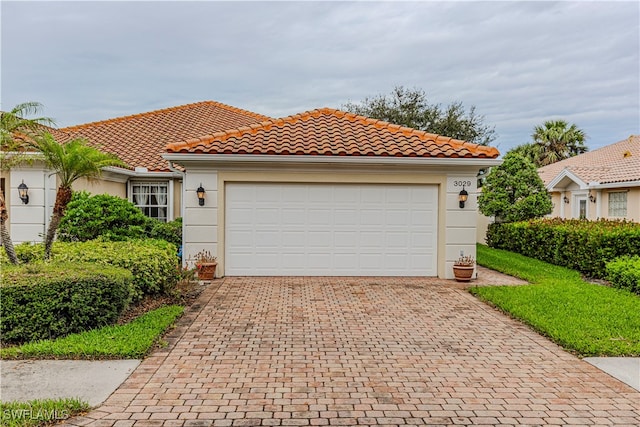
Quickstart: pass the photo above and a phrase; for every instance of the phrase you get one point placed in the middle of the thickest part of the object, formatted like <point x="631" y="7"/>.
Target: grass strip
<point x="40" y="412"/>
<point x="130" y="341"/>
<point x="588" y="319"/>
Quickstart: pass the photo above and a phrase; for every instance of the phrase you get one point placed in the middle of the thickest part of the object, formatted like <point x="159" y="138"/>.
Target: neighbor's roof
<point x="140" y="139"/>
<point x="330" y="132"/>
<point x="619" y="162"/>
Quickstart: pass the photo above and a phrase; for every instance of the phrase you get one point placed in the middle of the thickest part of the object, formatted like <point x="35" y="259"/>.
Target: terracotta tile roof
<point x="58" y="135"/>
<point x="329" y="132"/>
<point x="619" y="162"/>
<point x="140" y="139"/>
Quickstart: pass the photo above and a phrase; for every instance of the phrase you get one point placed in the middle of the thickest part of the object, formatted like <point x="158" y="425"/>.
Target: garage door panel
<point x="330" y="229"/>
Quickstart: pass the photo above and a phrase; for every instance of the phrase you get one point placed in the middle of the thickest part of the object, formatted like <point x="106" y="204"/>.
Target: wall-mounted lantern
<point x="592" y="198"/>
<point x="23" y="192"/>
<point x="462" y="197"/>
<point x="566" y="200"/>
<point x="200" y="192"/>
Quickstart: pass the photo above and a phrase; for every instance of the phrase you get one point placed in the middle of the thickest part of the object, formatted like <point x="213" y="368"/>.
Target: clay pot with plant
<point x="463" y="268"/>
<point x="206" y="265"/>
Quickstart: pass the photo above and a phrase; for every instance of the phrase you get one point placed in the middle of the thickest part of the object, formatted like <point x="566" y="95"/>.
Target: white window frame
<point x="169" y="203"/>
<point x="613" y="212"/>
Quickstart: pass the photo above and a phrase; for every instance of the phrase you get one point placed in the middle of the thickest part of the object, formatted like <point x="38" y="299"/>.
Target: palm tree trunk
<point x="5" y="237"/>
<point x="63" y="197"/>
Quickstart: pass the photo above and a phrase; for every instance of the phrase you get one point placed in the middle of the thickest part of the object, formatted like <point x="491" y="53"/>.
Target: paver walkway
<point x="359" y="351"/>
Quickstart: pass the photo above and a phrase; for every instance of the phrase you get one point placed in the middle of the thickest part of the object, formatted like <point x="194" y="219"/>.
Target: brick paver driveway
<point x="345" y="351"/>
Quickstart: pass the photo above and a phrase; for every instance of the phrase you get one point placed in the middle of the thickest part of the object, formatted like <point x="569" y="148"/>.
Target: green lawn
<point x="130" y="341"/>
<point x="40" y="412"/>
<point x="588" y="319"/>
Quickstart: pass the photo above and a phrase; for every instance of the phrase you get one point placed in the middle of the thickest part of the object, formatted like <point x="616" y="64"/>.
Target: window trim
<point x="150" y="181"/>
<point x="626" y="203"/>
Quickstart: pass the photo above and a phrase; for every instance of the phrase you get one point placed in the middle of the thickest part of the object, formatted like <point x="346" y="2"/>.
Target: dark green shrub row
<point x="581" y="245"/>
<point x="41" y="300"/>
<point x="112" y="218"/>
<point x="153" y="263"/>
<point x="624" y="272"/>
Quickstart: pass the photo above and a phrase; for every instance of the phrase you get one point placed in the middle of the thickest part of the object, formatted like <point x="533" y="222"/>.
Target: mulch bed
<point x="185" y="294"/>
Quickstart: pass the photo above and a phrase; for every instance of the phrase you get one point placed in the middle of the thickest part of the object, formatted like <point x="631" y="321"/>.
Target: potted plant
<point x="206" y="265"/>
<point x="463" y="268"/>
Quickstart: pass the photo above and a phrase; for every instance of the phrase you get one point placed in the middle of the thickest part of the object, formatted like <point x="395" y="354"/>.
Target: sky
<point x="519" y="63"/>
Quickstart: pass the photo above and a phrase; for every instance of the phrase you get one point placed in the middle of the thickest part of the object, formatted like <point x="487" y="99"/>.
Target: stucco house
<point x="323" y="192"/>
<point x="603" y="183"/>
<point x="330" y="193"/>
<point x="139" y="140"/>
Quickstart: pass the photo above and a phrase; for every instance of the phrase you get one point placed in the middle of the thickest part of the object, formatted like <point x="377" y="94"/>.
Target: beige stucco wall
<point x="595" y="209"/>
<point x="204" y="225"/>
<point x="101" y="186"/>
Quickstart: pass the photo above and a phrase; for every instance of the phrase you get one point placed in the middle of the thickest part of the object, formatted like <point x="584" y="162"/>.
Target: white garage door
<point x="330" y="230"/>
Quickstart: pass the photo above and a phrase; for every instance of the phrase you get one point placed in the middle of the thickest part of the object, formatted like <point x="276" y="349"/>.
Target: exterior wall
<point x="177" y="198"/>
<point x="29" y="222"/>
<point x="482" y="227"/>
<point x="101" y="186"/>
<point x="597" y="209"/>
<point x="204" y="225"/>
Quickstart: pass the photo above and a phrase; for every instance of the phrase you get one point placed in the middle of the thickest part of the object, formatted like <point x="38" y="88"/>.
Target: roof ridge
<point x="161" y="111"/>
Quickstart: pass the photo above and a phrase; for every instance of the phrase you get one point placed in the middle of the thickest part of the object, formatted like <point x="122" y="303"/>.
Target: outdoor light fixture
<point x="462" y="197"/>
<point x="592" y="198"/>
<point x="23" y="192"/>
<point x="566" y="199"/>
<point x="200" y="192"/>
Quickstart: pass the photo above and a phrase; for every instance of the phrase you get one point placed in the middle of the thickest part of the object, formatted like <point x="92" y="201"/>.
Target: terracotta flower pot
<point x="207" y="270"/>
<point x="463" y="273"/>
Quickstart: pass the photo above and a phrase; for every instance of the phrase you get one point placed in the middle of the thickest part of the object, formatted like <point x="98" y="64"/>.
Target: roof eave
<point x="619" y="184"/>
<point x="314" y="159"/>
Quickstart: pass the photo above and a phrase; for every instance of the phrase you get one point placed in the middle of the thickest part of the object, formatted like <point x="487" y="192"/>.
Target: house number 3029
<point x="462" y="183"/>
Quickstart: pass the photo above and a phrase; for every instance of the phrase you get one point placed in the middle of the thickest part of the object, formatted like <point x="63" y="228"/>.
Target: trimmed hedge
<point x="581" y="245"/>
<point x="41" y="301"/>
<point x="624" y="272"/>
<point x="153" y="263"/>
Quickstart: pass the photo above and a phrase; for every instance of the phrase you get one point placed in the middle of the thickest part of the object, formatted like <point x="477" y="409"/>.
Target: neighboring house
<point x="139" y="140"/>
<point x="330" y="193"/>
<point x="603" y="183"/>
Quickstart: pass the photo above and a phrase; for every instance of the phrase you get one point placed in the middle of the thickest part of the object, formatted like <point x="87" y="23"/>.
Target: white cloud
<point x="519" y="63"/>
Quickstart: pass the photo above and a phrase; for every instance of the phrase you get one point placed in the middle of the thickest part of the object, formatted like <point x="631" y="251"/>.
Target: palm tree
<point x="70" y="161"/>
<point x="14" y="128"/>
<point x="556" y="141"/>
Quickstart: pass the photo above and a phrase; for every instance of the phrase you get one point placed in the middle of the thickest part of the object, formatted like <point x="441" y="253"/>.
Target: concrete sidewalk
<point x="626" y="369"/>
<point x="90" y="380"/>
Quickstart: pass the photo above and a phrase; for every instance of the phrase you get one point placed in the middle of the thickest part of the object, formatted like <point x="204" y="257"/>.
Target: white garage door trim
<point x="290" y="229"/>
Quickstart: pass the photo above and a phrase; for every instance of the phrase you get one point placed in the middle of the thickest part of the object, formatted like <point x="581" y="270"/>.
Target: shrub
<point x="581" y="245"/>
<point x="513" y="191"/>
<point x="114" y="219"/>
<point x="624" y="272"/>
<point x="42" y="301"/>
<point x="153" y="263"/>
<point x="170" y="231"/>
<point x="111" y="217"/>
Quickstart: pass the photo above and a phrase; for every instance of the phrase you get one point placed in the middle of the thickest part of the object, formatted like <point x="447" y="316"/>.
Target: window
<point x="618" y="204"/>
<point x="151" y="198"/>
